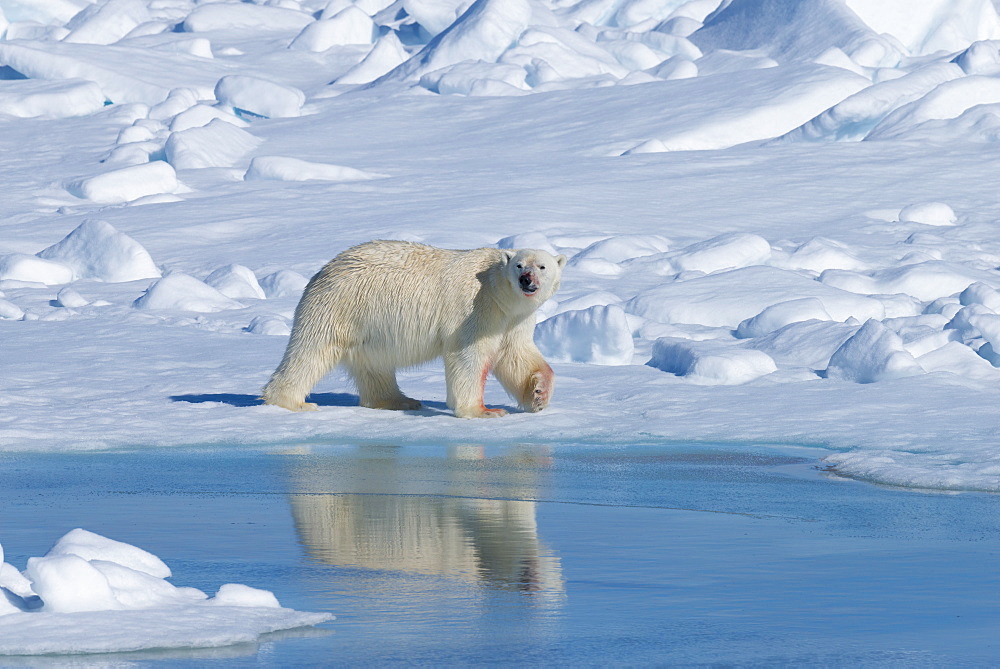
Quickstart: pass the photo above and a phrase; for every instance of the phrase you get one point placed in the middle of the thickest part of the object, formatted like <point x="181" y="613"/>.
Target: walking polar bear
<point x="383" y="305"/>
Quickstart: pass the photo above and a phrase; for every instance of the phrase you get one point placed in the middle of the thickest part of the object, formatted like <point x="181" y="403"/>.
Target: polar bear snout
<point x="528" y="283"/>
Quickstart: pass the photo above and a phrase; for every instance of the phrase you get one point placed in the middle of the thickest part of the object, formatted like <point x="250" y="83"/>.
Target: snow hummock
<point x="260" y="97"/>
<point x="283" y="168"/>
<point x="181" y="292"/>
<point x="873" y="353"/>
<point x="599" y="335"/>
<point x="96" y="250"/>
<point x="710" y="363"/>
<point x="91" y="594"/>
<point x="127" y="183"/>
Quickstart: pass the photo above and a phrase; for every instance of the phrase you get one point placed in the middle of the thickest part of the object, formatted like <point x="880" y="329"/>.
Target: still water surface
<point x="564" y="555"/>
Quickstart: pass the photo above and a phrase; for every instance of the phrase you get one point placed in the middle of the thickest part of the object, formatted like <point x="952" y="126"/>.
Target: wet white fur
<point x="385" y="305"/>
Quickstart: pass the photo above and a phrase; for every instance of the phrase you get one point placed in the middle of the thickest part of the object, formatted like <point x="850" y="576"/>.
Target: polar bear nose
<point x="527" y="282"/>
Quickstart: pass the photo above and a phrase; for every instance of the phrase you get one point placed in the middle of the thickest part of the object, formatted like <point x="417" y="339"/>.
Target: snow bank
<point x="387" y="54"/>
<point x="928" y="213"/>
<point x="259" y="96"/>
<point x="90" y="594"/>
<point x="728" y="298"/>
<point x="925" y="281"/>
<point x="182" y="292"/>
<point x="50" y="99"/>
<point x="599" y="335"/>
<point x="236" y="281"/>
<point x="96" y="250"/>
<point x="930" y="25"/>
<point x="724" y="252"/>
<point x="781" y="102"/>
<point x="127" y="183"/>
<point x="483" y="33"/>
<point x="217" y="144"/>
<point x="269" y="325"/>
<point x="282" y="168"/>
<point x="807" y="344"/>
<point x="243" y="17"/>
<point x="781" y="314"/>
<point x="21" y="267"/>
<point x="873" y="353"/>
<point x="349" y="26"/>
<point x="283" y="283"/>
<point x="709" y="362"/>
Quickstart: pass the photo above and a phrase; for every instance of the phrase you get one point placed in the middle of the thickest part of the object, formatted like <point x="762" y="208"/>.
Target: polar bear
<point x="383" y="305"/>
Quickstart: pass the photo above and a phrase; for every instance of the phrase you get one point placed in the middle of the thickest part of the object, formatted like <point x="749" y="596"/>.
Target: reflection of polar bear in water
<point x="396" y="512"/>
<point x="389" y="304"/>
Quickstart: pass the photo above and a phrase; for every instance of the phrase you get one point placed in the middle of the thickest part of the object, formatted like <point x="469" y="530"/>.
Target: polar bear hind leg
<point x="301" y="368"/>
<point x="377" y="388"/>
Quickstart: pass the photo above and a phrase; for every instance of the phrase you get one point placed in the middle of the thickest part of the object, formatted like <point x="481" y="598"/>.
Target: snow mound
<point x="70" y="299"/>
<point x="727" y="298"/>
<point x="218" y="144"/>
<point x="91" y="594"/>
<point x="10" y="312"/>
<point x="50" y="99"/>
<point x="710" y="362"/>
<point x="792" y="30"/>
<point x="930" y="26"/>
<point x="620" y="248"/>
<point x="528" y="240"/>
<point x="283" y="283"/>
<point x="819" y="254"/>
<point x="482" y="33"/>
<point x="599" y="335"/>
<point x="925" y="281"/>
<point x="949" y="100"/>
<point x="282" y="168"/>
<point x="856" y="116"/>
<point x="181" y="292"/>
<point x="928" y="213"/>
<point x="729" y="251"/>
<point x="21" y="267"/>
<point x="107" y="22"/>
<point x="90" y="546"/>
<point x="96" y="250"/>
<point x="244" y="17"/>
<point x="387" y="54"/>
<point x="349" y="26"/>
<point x="779" y="315"/>
<point x="269" y="325"/>
<point x="781" y="100"/>
<point x="980" y="293"/>
<point x="199" y="115"/>
<point x="806" y="344"/>
<point x="258" y="96"/>
<point x="127" y="183"/>
<point x="236" y="281"/>
<point x="873" y="353"/>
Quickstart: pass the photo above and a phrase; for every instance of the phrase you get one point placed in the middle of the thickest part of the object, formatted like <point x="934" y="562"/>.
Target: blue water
<point x="558" y="555"/>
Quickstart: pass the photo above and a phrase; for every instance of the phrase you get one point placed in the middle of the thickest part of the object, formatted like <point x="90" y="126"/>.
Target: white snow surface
<point x="775" y="215"/>
<point x="91" y="594"/>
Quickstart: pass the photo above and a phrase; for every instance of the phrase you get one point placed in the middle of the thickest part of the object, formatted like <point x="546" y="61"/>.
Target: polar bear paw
<point x="540" y="387"/>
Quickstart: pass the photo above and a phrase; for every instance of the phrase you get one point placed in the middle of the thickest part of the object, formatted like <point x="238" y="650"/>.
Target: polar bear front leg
<point x="526" y="377"/>
<point x="466" y="379"/>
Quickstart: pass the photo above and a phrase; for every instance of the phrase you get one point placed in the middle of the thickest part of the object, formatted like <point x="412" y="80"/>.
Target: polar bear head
<point x="534" y="274"/>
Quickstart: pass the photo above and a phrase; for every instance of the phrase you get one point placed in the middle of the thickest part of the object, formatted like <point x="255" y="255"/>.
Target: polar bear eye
<point x="520" y="266"/>
<point x="541" y="267"/>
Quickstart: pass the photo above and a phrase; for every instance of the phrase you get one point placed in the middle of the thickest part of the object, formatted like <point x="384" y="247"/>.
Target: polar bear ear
<point x="561" y="259"/>
<point x="508" y="255"/>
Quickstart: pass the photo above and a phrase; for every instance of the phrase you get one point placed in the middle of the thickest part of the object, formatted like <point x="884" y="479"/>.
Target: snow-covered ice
<point x="92" y="594"/>
<point x="777" y="215"/>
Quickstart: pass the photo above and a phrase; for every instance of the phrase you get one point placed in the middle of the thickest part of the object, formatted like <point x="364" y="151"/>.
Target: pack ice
<point x="778" y="214"/>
